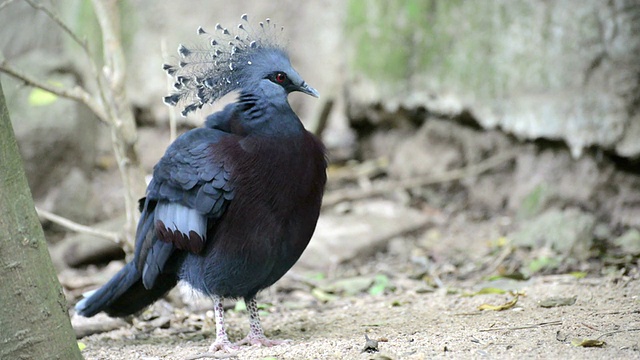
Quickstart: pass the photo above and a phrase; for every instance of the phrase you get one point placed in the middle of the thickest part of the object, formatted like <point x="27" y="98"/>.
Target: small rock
<point x="370" y="346"/>
<point x="429" y="151"/>
<point x="568" y="231"/>
<point x="73" y="198"/>
<point x="629" y="242"/>
<point x="82" y="249"/>
<point x="366" y="229"/>
<point x="54" y="137"/>
<point x="95" y="325"/>
<point x="558" y="301"/>
<point x="350" y="286"/>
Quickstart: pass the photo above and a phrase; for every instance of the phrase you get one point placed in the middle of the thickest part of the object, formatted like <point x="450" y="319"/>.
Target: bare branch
<point x="79" y="228"/>
<point x="108" y="17"/>
<point x="123" y="132"/>
<point x="5" y="3"/>
<point x="109" y="102"/>
<point x="173" y="128"/>
<point x="55" y="18"/>
<point x="102" y="113"/>
<point x="322" y="117"/>
<point x="97" y="325"/>
<point x="338" y="196"/>
<point x="77" y="93"/>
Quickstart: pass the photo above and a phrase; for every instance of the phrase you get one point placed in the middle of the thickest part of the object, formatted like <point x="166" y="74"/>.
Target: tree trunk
<point x="34" y="321"/>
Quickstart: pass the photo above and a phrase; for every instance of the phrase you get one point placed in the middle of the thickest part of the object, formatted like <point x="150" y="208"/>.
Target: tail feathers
<point x="137" y="297"/>
<point x="101" y="299"/>
<point x="125" y="294"/>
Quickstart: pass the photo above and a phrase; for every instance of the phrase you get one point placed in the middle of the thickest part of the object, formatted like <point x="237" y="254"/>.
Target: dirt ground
<point x="415" y="292"/>
<point x="412" y="318"/>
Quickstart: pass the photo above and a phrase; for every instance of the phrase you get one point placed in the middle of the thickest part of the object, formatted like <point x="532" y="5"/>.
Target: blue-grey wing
<point x="191" y="186"/>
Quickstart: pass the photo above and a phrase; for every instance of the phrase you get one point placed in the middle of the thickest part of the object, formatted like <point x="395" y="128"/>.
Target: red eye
<point x="281" y="77"/>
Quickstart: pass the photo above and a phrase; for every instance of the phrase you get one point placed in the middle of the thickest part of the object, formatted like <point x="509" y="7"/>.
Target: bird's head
<point x="233" y="62"/>
<point x="276" y="69"/>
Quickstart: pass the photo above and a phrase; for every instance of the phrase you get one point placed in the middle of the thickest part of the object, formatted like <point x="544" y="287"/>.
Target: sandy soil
<point x="410" y="321"/>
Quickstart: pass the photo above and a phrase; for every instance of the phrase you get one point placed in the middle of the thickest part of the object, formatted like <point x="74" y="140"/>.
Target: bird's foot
<point x="224" y="345"/>
<point x="260" y="340"/>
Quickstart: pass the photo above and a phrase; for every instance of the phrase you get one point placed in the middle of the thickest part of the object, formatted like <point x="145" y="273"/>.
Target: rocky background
<point x="486" y="122"/>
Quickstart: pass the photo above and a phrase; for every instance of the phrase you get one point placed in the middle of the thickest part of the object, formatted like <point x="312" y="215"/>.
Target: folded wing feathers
<point x="155" y="262"/>
<point x="181" y="219"/>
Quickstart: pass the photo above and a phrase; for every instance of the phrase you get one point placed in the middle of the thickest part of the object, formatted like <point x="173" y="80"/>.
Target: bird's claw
<point x="260" y="341"/>
<point x="224" y="345"/>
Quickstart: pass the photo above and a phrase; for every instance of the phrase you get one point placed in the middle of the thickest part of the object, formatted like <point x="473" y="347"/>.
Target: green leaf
<point x="349" y="286"/>
<point x="39" y="97"/>
<point x="500" y="242"/>
<point x="317" y="276"/>
<point x="533" y="202"/>
<point x="495" y="277"/>
<point x="543" y="262"/>
<point x="380" y="283"/>
<point x="81" y="345"/>
<point x="322" y="295"/>
<point x="578" y="274"/>
<point x="240" y="306"/>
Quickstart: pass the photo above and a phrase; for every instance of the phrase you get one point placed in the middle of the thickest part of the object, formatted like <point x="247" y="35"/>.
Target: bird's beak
<point x="308" y="90"/>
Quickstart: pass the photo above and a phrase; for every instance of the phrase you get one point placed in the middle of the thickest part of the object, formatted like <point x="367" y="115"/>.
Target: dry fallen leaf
<point x="504" y="306"/>
<point x="587" y="343"/>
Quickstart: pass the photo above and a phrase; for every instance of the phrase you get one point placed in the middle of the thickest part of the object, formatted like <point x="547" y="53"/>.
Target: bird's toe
<point x="260" y="341"/>
<point x="223" y="345"/>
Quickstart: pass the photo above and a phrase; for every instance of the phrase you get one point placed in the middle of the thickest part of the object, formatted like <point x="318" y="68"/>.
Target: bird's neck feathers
<point x="265" y="111"/>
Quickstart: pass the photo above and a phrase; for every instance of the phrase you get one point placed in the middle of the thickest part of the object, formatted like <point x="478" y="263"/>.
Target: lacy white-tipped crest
<point x="205" y="74"/>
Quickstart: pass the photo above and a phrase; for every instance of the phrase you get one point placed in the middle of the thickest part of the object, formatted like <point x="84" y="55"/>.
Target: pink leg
<point x="222" y="340"/>
<point x="256" y="334"/>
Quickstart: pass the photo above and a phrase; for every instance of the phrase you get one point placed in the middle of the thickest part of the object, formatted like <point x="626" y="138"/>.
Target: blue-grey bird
<point x="232" y="205"/>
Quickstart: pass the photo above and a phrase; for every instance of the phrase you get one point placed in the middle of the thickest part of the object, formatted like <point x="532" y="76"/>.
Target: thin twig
<point x="626" y="312"/>
<point x="92" y="102"/>
<point x="108" y="17"/>
<point x="109" y="103"/>
<point x="549" y="323"/>
<point x="322" y="118"/>
<point x="5" y="3"/>
<point x="508" y="250"/>
<point x="212" y="355"/>
<point x="56" y="19"/>
<point x="79" y="228"/>
<point x="339" y="196"/>
<point x="77" y="93"/>
<point x="85" y="48"/>
<point x="616" y="331"/>
<point x="123" y="130"/>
